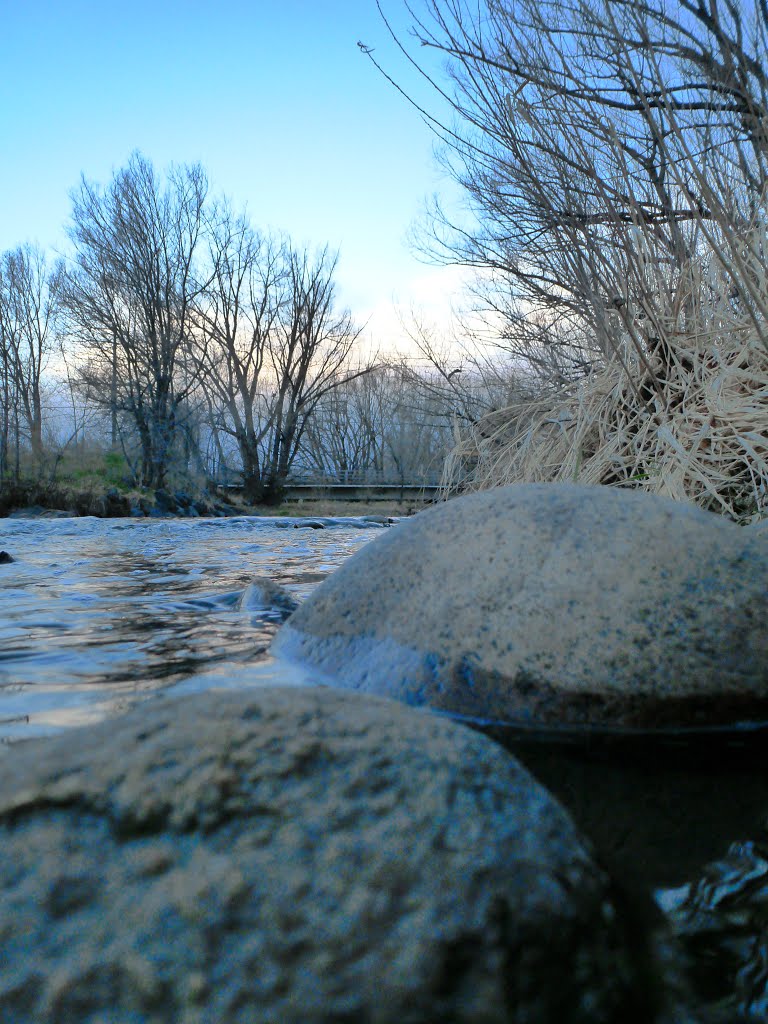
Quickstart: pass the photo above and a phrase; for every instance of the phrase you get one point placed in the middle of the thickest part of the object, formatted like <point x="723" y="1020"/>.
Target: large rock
<point x="551" y="605"/>
<point x="300" y="855"/>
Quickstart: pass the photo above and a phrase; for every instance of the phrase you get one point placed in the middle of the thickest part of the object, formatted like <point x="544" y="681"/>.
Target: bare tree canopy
<point x="236" y="314"/>
<point x="601" y="143"/>
<point x="614" y="157"/>
<point x="129" y="297"/>
<point x="271" y="344"/>
<point x="309" y="355"/>
<point x="29" y="306"/>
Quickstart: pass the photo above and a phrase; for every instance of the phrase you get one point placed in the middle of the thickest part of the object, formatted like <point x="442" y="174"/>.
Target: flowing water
<point x="98" y="614"/>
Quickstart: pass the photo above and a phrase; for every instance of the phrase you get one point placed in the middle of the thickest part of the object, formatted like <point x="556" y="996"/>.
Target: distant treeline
<point x="186" y="345"/>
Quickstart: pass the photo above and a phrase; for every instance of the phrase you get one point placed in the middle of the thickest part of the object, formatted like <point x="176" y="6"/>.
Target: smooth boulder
<point x="551" y="604"/>
<point x="301" y="855"/>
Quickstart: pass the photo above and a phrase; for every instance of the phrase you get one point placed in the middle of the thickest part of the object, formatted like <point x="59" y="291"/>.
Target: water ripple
<point x="97" y="614"/>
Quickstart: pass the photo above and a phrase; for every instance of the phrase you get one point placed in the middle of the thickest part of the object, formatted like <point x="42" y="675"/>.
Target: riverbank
<point x="33" y="500"/>
<point x="330" y="507"/>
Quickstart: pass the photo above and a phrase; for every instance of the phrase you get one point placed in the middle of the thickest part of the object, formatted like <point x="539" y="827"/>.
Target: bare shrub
<point x="615" y="156"/>
<point x="701" y="438"/>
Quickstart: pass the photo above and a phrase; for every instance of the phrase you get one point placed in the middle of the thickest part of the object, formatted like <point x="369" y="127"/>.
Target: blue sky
<point x="273" y="97"/>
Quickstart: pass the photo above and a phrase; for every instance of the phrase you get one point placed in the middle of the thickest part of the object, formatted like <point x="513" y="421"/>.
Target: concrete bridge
<point x="361" y="491"/>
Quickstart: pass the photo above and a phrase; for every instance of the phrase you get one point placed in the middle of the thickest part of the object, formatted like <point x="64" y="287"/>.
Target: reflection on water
<point x="94" y="613"/>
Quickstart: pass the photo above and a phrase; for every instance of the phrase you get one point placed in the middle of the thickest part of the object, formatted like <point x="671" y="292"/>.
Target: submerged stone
<point x="263" y="594"/>
<point x="301" y="855"/>
<point x="555" y="605"/>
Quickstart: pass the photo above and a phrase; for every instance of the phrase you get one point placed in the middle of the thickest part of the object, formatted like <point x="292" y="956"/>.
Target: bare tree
<point x="309" y="353"/>
<point x="602" y="145"/>
<point x="29" y="304"/>
<point x="129" y="299"/>
<point x="614" y="153"/>
<point x="344" y="437"/>
<point x="396" y="423"/>
<point x="237" y="315"/>
<point x="271" y="346"/>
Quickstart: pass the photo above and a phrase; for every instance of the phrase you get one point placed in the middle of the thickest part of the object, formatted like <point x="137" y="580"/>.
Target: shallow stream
<point x="97" y="614"/>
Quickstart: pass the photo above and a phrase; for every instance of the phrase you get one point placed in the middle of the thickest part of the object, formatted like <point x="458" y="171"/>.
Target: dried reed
<point x="687" y="418"/>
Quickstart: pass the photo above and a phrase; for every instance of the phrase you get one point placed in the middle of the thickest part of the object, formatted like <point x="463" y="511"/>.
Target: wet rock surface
<point x="301" y="855"/>
<point x="262" y="593"/>
<point x="6" y="558"/>
<point x="554" y="605"/>
<point x="112" y="505"/>
<point x="721" y="920"/>
<point x="39" y="512"/>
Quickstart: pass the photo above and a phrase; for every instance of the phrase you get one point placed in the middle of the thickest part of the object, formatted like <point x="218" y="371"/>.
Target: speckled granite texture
<point x="551" y="604"/>
<point x="300" y="855"/>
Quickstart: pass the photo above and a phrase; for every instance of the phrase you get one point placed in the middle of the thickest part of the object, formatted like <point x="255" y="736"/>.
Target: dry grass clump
<point x="684" y="415"/>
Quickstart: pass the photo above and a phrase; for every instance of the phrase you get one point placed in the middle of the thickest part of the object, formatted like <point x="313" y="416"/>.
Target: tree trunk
<point x="249" y="455"/>
<point x="113" y="391"/>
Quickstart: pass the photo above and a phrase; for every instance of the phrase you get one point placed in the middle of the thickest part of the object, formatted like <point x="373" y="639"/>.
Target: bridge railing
<point x="366" y="477"/>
